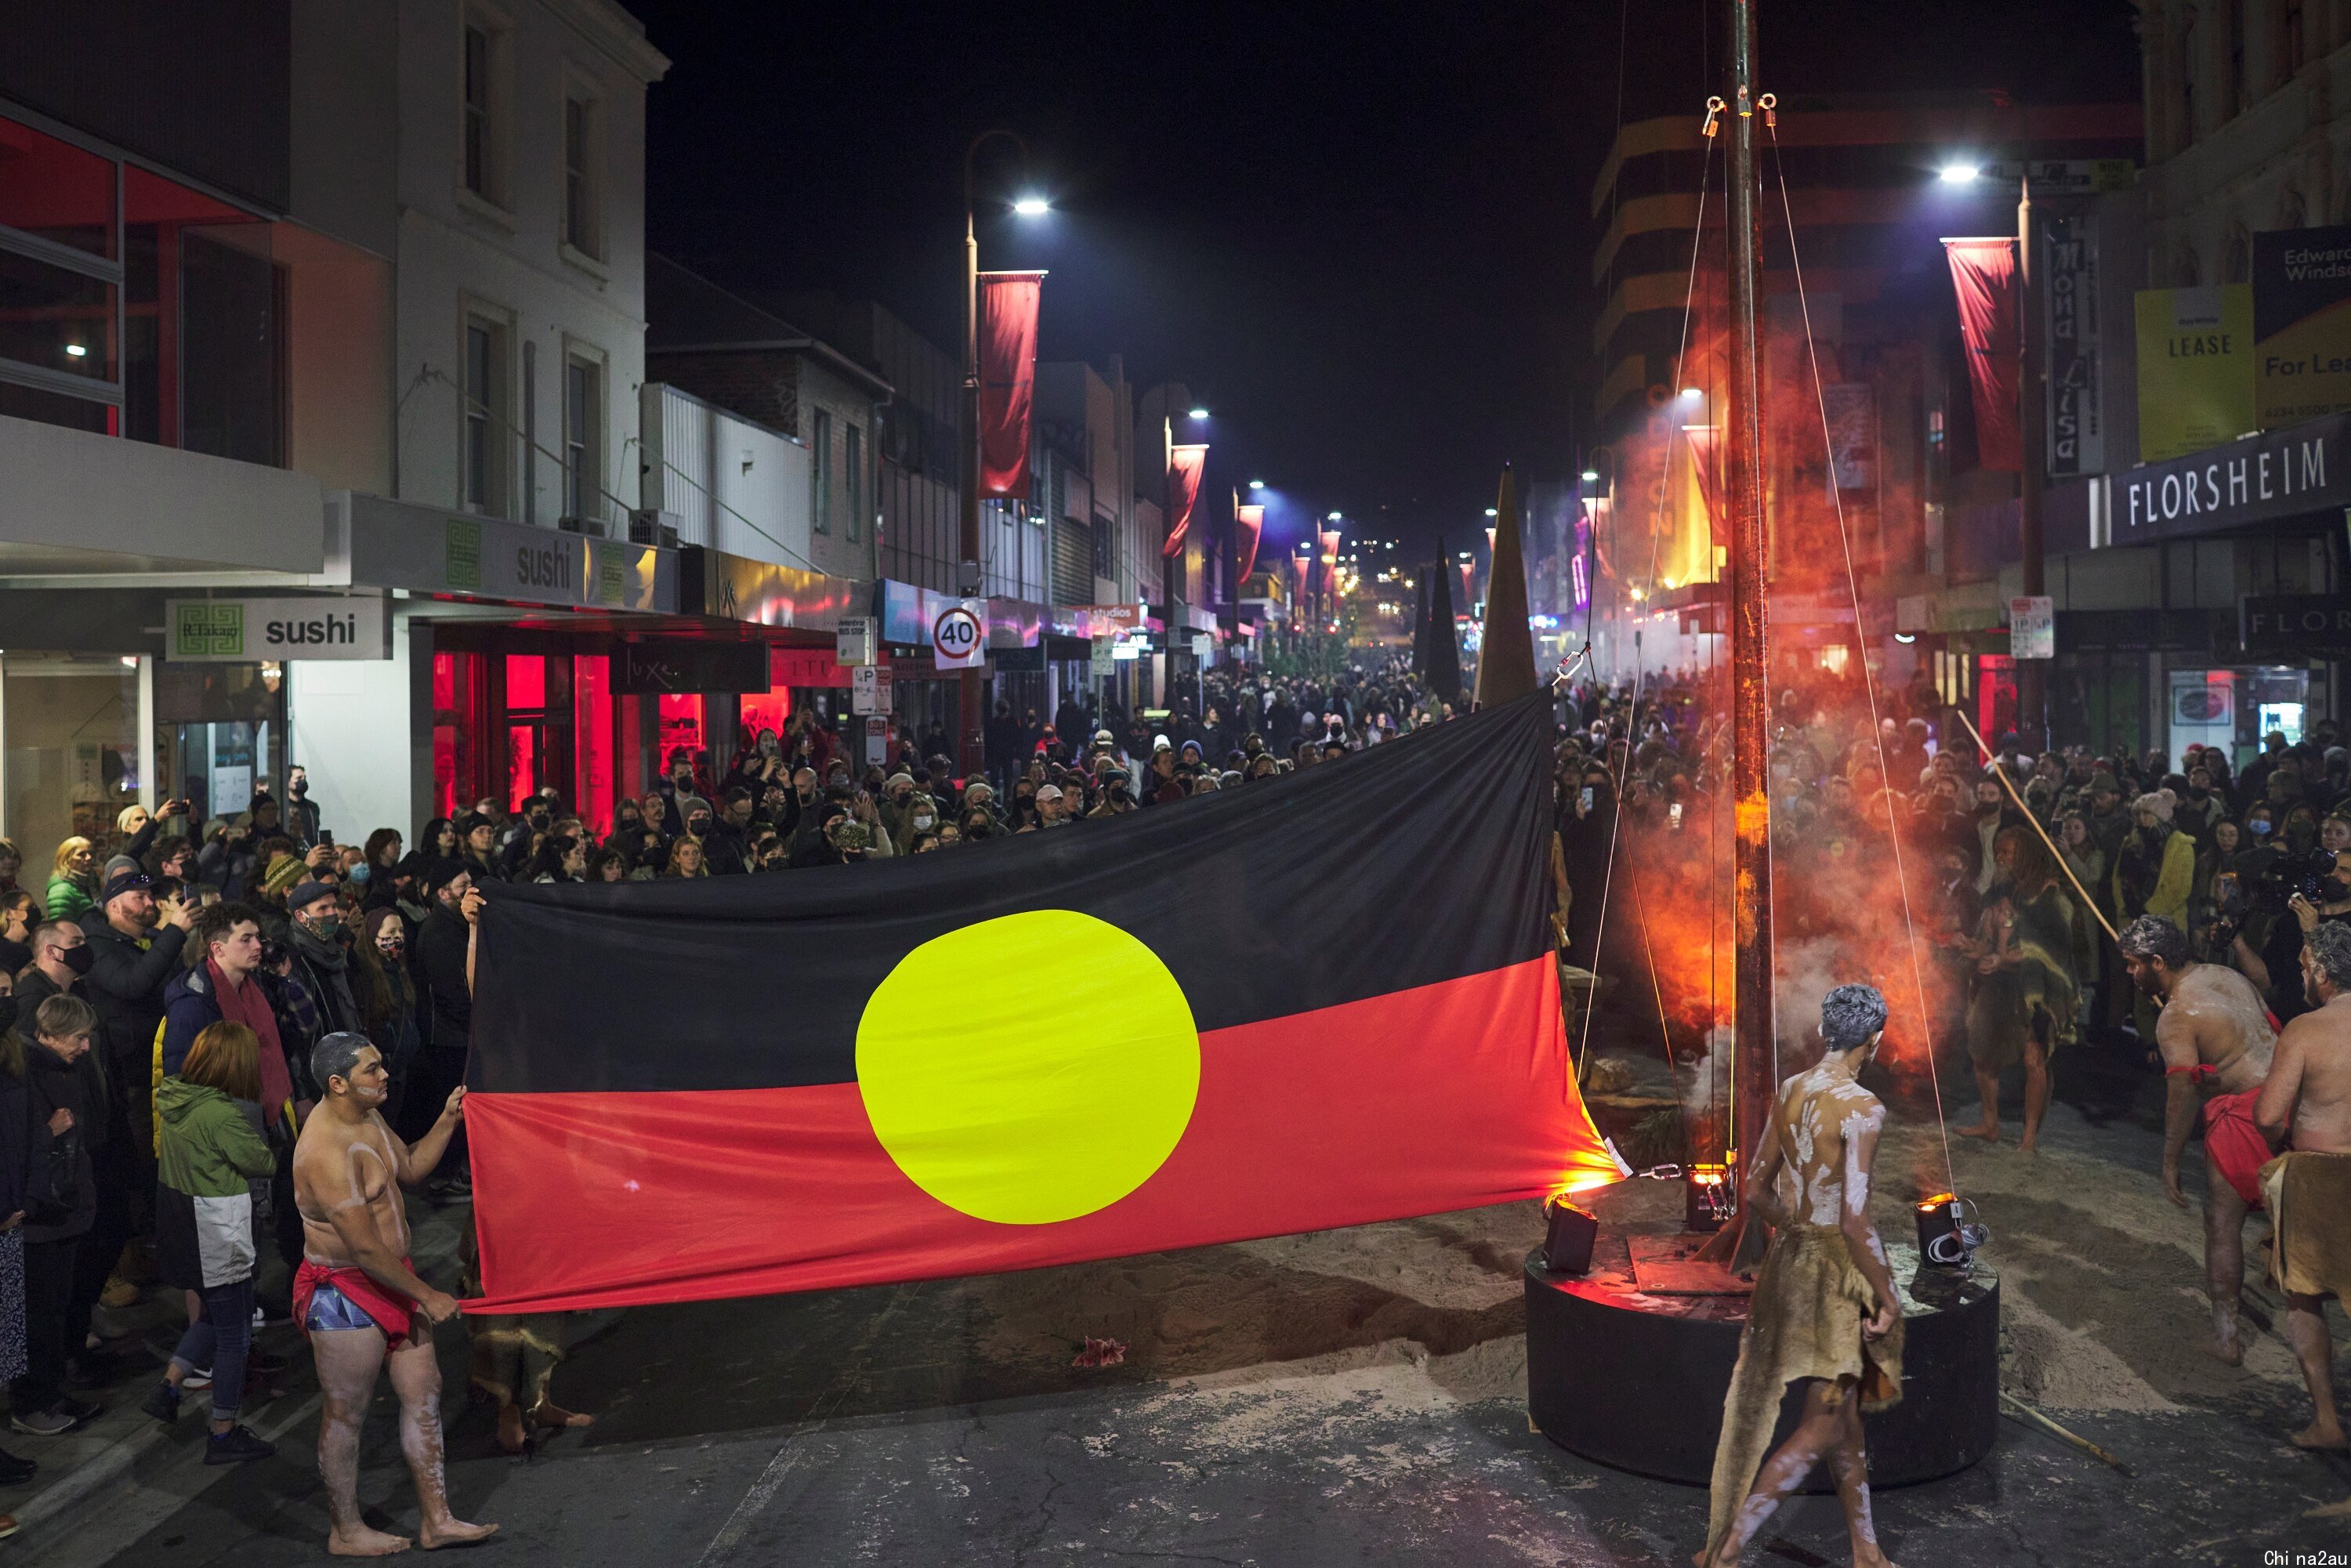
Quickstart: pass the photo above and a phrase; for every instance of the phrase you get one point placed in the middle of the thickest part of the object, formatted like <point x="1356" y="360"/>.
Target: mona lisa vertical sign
<point x="2075" y="439"/>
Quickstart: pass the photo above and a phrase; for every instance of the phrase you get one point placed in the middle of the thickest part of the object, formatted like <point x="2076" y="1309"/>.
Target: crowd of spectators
<point x="2244" y="863"/>
<point x="162" y="988"/>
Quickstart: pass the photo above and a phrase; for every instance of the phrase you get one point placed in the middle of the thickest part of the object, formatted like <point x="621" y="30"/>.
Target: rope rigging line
<point x="1868" y="683"/>
<point x="1640" y="671"/>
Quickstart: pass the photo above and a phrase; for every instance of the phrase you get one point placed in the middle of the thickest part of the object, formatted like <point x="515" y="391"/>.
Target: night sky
<point x="1359" y="233"/>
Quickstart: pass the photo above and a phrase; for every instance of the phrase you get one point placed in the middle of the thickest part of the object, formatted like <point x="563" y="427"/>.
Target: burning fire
<point x="1835" y="896"/>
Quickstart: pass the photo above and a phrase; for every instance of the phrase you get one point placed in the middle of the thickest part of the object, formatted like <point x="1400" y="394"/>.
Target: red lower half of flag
<point x="1442" y="1097"/>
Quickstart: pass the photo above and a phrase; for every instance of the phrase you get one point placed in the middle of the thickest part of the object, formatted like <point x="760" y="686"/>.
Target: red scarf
<point x="246" y="1004"/>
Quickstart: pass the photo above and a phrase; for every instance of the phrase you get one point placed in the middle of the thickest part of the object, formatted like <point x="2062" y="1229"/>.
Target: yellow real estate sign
<point x="2196" y="360"/>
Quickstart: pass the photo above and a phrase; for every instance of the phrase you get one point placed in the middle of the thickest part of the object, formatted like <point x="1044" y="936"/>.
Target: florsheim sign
<point x="234" y="630"/>
<point x="2282" y="474"/>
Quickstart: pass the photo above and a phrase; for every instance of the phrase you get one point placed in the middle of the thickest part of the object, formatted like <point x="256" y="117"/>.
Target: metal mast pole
<point x="973" y="753"/>
<point x="1753" y="1078"/>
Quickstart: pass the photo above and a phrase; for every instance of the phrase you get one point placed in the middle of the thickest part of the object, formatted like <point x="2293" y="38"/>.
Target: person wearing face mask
<point x="322" y="962"/>
<point x="61" y="962"/>
<point x="2259" y="849"/>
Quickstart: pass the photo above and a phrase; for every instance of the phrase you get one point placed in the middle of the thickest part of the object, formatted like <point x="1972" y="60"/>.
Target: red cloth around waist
<point x="2235" y="1144"/>
<point x="392" y="1313"/>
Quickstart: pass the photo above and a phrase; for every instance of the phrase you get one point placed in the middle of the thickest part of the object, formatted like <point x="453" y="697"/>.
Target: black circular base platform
<point x="1637" y="1381"/>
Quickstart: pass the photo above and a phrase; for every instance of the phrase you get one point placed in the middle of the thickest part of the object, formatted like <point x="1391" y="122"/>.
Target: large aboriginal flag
<point x="1307" y="1002"/>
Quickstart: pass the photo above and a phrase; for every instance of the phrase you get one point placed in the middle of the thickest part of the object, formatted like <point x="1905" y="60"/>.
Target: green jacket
<point x="205" y="1147"/>
<point x="67" y="897"/>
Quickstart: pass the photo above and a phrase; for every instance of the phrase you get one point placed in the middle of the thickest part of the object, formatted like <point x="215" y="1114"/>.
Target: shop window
<point x="525" y="683"/>
<point x="231" y="357"/>
<point x="456" y="717"/>
<point x="537" y="727"/>
<point x="591" y="700"/>
<point x="55" y="318"/>
<point x="55" y="190"/>
<point x="767" y="712"/>
<point x="52" y="408"/>
<point x="682" y="728"/>
<point x="71" y="733"/>
<point x="203" y="316"/>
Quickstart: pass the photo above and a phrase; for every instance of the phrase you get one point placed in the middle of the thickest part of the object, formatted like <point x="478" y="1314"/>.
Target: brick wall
<point x="763" y="387"/>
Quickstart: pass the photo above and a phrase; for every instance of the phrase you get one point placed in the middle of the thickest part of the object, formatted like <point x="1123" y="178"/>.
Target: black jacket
<point x="51" y="1085"/>
<point x="441" y="943"/>
<point x="125" y="984"/>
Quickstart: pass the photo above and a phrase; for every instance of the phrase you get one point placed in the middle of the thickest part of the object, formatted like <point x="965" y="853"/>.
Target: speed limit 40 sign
<point x="959" y="636"/>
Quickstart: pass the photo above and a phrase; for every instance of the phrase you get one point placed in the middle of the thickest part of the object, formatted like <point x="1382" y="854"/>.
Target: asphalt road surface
<point x="1350" y="1397"/>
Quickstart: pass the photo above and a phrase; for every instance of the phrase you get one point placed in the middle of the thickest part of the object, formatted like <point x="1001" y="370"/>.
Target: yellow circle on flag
<point x="1028" y="1069"/>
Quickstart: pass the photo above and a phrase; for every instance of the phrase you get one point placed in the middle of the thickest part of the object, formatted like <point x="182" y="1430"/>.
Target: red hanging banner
<point x="1184" y="466"/>
<point x="1249" y="527"/>
<point x="1008" y="379"/>
<point x="1984" y="275"/>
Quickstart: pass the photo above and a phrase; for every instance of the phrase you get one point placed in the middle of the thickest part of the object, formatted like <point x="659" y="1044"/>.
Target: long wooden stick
<point x="2055" y="853"/>
<point x="2036" y="1418"/>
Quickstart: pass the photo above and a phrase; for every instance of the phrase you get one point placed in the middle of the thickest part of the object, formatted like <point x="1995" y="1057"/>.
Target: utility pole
<point x="2033" y="422"/>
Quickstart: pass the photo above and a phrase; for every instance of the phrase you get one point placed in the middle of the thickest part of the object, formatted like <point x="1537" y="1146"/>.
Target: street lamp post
<point x="973" y="749"/>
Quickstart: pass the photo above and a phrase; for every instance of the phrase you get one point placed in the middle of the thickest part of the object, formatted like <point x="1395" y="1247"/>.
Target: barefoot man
<point x="1824" y="1312"/>
<point x="358" y="1297"/>
<point x="2308" y="1098"/>
<point x="2216" y="1040"/>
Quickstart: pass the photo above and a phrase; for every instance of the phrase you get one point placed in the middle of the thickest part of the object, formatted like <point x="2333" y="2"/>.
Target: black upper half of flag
<point x="1423" y="860"/>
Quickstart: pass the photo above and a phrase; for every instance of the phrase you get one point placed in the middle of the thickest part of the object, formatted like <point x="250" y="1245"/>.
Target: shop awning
<point x="378" y="543"/>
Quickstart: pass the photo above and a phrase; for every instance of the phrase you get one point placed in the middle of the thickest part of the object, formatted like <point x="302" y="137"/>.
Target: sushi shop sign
<point x="285" y="626"/>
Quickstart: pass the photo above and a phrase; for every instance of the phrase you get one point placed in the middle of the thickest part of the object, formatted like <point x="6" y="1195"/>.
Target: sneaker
<point x="198" y="1379"/>
<point x="81" y="1410"/>
<point x="163" y="1402"/>
<point x="51" y="1423"/>
<point x="237" y="1446"/>
<point x="7" y="1525"/>
<point x="119" y="1293"/>
<point x="16" y="1471"/>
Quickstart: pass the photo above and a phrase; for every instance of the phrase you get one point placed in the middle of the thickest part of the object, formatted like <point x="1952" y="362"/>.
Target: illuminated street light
<point x="1333" y="517"/>
<point x="76" y="350"/>
<point x="1199" y="414"/>
<point x="1257" y="484"/>
<point x="1031" y="207"/>
<point x="1592" y="475"/>
<point x="1489" y="511"/>
<point x="1957" y="173"/>
<point x="1692" y="393"/>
